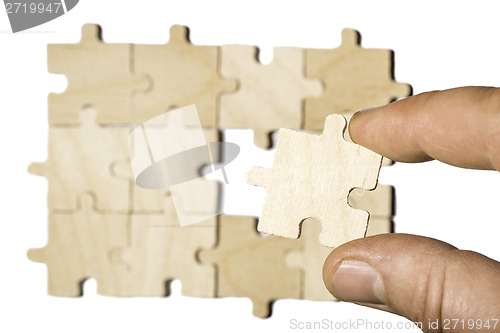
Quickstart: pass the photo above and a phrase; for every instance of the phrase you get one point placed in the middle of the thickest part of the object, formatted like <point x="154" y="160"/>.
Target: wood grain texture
<point x="181" y="74"/>
<point x="103" y="226"/>
<point x="269" y="96"/>
<point x="80" y="159"/>
<point x="250" y="265"/>
<point x="78" y="248"/>
<point x="312" y="176"/>
<point x="160" y="250"/>
<point x="98" y="74"/>
<point x="354" y="79"/>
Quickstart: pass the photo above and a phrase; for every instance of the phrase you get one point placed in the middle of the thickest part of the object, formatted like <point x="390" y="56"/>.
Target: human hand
<point x="420" y="278"/>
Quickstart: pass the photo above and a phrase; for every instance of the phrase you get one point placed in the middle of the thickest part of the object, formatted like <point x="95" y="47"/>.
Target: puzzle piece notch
<point x="92" y="80"/>
<point x="312" y="255"/>
<point x="354" y="79"/>
<point x="269" y="96"/>
<point x="80" y="159"/>
<point x="77" y="249"/>
<point x="181" y="74"/>
<point x="379" y="202"/>
<point x="309" y="259"/>
<point x="312" y="176"/>
<point x="160" y="251"/>
<point x="250" y="265"/>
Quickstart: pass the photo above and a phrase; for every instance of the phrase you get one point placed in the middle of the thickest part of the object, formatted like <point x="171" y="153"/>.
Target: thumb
<point x="420" y="278"/>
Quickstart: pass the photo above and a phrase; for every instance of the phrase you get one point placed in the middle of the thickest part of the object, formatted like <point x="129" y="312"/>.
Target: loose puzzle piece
<point x="269" y="96"/>
<point x="250" y="265"/>
<point x="160" y="250"/>
<point x="77" y="249"/>
<point x="99" y="74"/>
<point x="312" y="176"/>
<point x="80" y="159"/>
<point x="181" y="74"/>
<point x="312" y="255"/>
<point x="354" y="79"/>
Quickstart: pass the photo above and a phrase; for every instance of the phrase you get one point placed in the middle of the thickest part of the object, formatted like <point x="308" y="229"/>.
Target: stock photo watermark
<point x="366" y="324"/>
<point x="26" y="14"/>
<point x="352" y="324"/>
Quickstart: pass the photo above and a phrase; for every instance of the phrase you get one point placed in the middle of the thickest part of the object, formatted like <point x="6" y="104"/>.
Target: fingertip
<point x="417" y="277"/>
<point x="457" y="126"/>
<point x="357" y="125"/>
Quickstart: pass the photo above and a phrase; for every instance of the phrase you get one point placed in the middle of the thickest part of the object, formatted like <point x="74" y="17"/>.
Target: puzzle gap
<point x="57" y="83"/>
<point x="265" y="55"/>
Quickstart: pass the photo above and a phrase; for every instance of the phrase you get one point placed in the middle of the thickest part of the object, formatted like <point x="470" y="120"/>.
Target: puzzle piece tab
<point x="80" y="160"/>
<point x="160" y="250"/>
<point x="181" y="74"/>
<point x="269" y="96"/>
<point x="354" y="78"/>
<point x="77" y="249"/>
<point x="312" y="176"/>
<point x="99" y="75"/>
<point x="250" y="265"/>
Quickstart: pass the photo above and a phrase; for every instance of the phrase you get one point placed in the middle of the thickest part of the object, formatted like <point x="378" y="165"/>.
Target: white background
<point x="438" y="45"/>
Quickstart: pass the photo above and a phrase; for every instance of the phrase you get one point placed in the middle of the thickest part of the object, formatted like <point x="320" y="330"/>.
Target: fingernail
<point x="356" y="281"/>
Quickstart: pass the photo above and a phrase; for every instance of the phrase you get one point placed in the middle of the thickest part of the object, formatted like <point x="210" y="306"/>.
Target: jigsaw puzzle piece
<point x="312" y="255"/>
<point x="379" y="202"/>
<point x="250" y="265"/>
<point x="80" y="159"/>
<point x="269" y="96"/>
<point x="98" y="74"/>
<point x="379" y="225"/>
<point x="354" y="78"/>
<point x="77" y="249"/>
<point x="312" y="176"/>
<point x="310" y="259"/>
<point x="160" y="250"/>
<point x="181" y="74"/>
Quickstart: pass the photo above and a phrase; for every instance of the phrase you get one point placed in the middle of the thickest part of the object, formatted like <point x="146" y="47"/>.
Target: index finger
<point x="459" y="126"/>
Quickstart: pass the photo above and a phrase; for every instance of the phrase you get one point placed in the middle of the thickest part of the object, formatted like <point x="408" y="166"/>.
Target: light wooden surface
<point x="103" y="226"/>
<point x="268" y="96"/>
<point x="99" y="74"/>
<point x="354" y="78"/>
<point x="79" y="160"/>
<point x="160" y="250"/>
<point x="311" y="256"/>
<point x="312" y="176"/>
<point x="78" y="248"/>
<point x="181" y="74"/>
<point x="250" y="265"/>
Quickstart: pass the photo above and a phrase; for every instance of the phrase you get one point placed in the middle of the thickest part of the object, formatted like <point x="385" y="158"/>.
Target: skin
<point x="423" y="278"/>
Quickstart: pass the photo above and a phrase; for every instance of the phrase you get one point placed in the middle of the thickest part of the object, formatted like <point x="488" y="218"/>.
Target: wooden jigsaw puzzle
<point x="311" y="177"/>
<point x="102" y="225"/>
